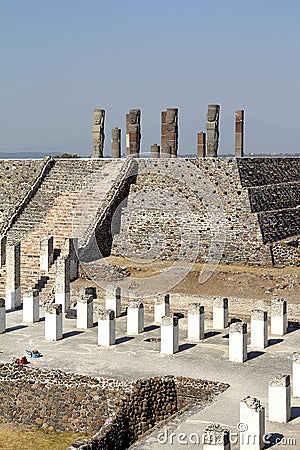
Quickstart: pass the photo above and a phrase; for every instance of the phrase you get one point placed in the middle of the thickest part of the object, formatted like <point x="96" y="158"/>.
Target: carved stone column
<point x="98" y="133"/>
<point x="212" y="130"/>
<point x="116" y="143"/>
<point x="169" y="133"/>
<point x="133" y="133"/>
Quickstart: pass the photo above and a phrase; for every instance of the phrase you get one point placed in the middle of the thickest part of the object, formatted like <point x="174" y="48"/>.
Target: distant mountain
<point x="26" y="155"/>
<point x="34" y="155"/>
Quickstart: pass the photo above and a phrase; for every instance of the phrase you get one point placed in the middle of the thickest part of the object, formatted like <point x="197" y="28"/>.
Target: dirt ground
<point x="228" y="280"/>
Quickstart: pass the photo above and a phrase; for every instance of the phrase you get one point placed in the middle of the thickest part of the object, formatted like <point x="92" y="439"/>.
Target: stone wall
<point x="117" y="411"/>
<point x="262" y="171"/>
<point x="16" y="179"/>
<point x="150" y="402"/>
<point x="274" y="196"/>
<point x="176" y="206"/>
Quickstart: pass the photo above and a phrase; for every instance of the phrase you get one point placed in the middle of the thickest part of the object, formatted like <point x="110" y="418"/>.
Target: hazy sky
<point x="60" y="59"/>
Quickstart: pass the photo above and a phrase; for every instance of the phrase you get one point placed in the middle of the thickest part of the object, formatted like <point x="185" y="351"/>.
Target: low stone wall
<point x="121" y="410"/>
<point x="63" y="401"/>
<point x="149" y="402"/>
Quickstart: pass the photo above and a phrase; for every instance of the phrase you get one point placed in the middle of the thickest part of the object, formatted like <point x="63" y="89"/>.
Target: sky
<point x="60" y="59"/>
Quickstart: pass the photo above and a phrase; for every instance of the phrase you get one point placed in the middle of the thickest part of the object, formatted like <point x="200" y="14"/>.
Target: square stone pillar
<point x="259" y="329"/>
<point x="113" y="300"/>
<point x="13" y="266"/>
<point x="31" y="306"/>
<point x="46" y="253"/>
<point x="216" y="437"/>
<point x="169" y="335"/>
<point x="195" y="322"/>
<point x="161" y="307"/>
<point x="62" y="282"/>
<point x="106" y="328"/>
<point x="279" y="320"/>
<point x="135" y="317"/>
<point x="296" y="374"/>
<point x="2" y="316"/>
<point x="239" y="133"/>
<point x="201" y="145"/>
<point x="280" y="399"/>
<point x="252" y="416"/>
<point x="238" y="342"/>
<point x="70" y="248"/>
<point x="155" y="151"/>
<point x="220" y="313"/>
<point x="53" y="322"/>
<point x="85" y="312"/>
<point x="2" y="251"/>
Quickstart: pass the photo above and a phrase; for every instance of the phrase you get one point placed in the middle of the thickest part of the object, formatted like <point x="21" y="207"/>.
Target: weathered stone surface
<point x="169" y="133"/>
<point x="281" y="381"/>
<point x="238" y="327"/>
<point x="253" y="403"/>
<point x="133" y="133"/>
<point x="239" y="133"/>
<point x="201" y="144"/>
<point x="116" y="143"/>
<point x="98" y="133"/>
<point x="212" y="130"/>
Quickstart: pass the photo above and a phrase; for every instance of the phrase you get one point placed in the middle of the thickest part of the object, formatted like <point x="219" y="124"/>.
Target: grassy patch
<point x="13" y="437"/>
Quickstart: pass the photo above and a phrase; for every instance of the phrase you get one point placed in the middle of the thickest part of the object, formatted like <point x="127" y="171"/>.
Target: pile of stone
<point x="99" y="271"/>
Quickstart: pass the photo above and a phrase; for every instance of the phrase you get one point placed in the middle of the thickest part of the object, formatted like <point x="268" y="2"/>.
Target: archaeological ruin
<point x="69" y="232"/>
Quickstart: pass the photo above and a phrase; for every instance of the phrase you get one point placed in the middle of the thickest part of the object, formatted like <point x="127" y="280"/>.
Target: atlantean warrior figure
<point x="169" y="133"/>
<point x="133" y="132"/>
<point x="98" y="133"/>
<point x="212" y="130"/>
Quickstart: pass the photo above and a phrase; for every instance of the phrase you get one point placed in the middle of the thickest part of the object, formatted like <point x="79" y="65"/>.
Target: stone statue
<point x="212" y="130"/>
<point x="98" y="133"/>
<point x="169" y="133"/>
<point x="133" y="132"/>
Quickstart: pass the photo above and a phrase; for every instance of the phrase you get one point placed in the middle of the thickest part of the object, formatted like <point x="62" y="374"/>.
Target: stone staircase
<point x="68" y="199"/>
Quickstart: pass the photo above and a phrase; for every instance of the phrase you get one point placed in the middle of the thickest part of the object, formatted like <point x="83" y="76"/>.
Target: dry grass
<point x="15" y="437"/>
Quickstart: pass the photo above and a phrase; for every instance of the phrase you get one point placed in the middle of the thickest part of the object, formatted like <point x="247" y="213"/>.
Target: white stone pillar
<point x="238" y="342"/>
<point x="278" y="316"/>
<point x="113" y="300"/>
<point x="13" y="265"/>
<point x="31" y="306"/>
<point x="106" y="327"/>
<point x="280" y="399"/>
<point x="2" y="316"/>
<point x="85" y="312"/>
<point x="135" y="317"/>
<point x="70" y="249"/>
<point x="169" y="335"/>
<point x="259" y="329"/>
<point x="161" y="307"/>
<point x="220" y="313"/>
<point x="216" y="437"/>
<point x="62" y="282"/>
<point x="296" y="374"/>
<point x="53" y="322"/>
<point x="2" y="251"/>
<point x="46" y="253"/>
<point x="252" y="416"/>
<point x="195" y="322"/>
